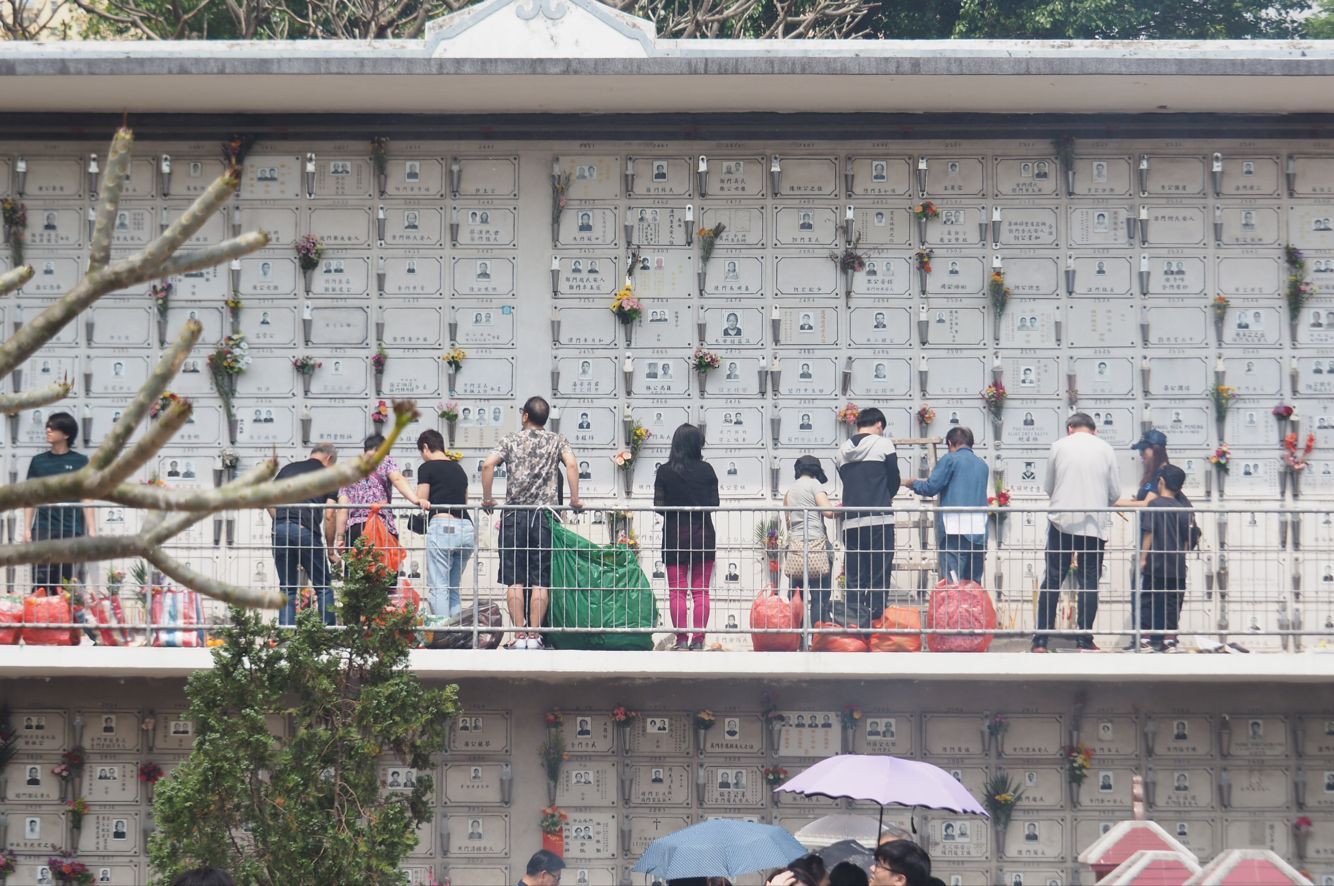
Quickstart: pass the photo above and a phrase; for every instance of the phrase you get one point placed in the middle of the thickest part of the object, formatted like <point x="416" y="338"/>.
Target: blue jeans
<point x="296" y="547"/>
<point x="962" y="557"/>
<point x="449" y="543"/>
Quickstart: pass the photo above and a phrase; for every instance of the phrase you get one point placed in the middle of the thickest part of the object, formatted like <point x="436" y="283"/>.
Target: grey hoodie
<point x="869" y="469"/>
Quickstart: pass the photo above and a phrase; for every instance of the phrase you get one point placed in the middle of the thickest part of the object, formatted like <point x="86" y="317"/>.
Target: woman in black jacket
<point x="688" y="541"/>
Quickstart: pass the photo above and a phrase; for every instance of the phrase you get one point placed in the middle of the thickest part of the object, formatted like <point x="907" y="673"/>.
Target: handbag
<point x="803" y="562"/>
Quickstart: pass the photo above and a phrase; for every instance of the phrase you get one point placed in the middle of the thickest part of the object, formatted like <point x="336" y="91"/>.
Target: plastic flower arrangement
<point x="849" y="259"/>
<point x="998" y="291"/>
<point x="994" y="396"/>
<point x="1223" y="396"/>
<point x="704" y="719"/>
<point x="1291" y="458"/>
<point x="1298" y="291"/>
<point x="68" y="869"/>
<point x="553" y="719"/>
<point x="453" y="455"/>
<point x="1220" y="304"/>
<point x="77" y="809"/>
<point x="8" y="862"/>
<point x="1078" y="759"/>
<point x="1222" y="455"/>
<point x="708" y="239"/>
<point x="1002" y="795"/>
<point x="309" y="251"/>
<point x="162" y="404"/>
<point x="925" y="416"/>
<point x="623" y="716"/>
<point x="775" y="775"/>
<point x="1283" y="411"/>
<point x="997" y="724"/>
<point x="448" y="409"/>
<point x="380" y="358"/>
<point x="625" y="306"/>
<point x="380" y="414"/>
<point x="705" y="361"/>
<point x="848" y="414"/>
<point x="455" y="358"/>
<point x="161" y="293"/>
<point x="926" y="210"/>
<point x="922" y="259"/>
<point x="150" y="772"/>
<point x="305" y="365"/>
<point x="851" y="715"/>
<point x="552" y="820"/>
<point x="625" y="459"/>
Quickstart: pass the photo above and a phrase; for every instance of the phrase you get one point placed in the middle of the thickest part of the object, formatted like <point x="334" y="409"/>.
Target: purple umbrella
<point x="889" y="781"/>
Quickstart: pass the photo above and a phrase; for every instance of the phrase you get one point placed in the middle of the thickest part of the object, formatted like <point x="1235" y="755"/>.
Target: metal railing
<point x="1262" y="579"/>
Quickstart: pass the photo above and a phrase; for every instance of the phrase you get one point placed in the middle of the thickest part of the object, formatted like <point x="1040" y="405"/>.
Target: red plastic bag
<point x="837" y="642"/>
<point x="895" y="618"/>
<point x="110" y="615"/>
<point x="177" y="607"/>
<point x="771" y="612"/>
<point x="406" y="598"/>
<point x="11" y="613"/>
<point x="40" y="609"/>
<point x="964" y="605"/>
<point x="388" y="551"/>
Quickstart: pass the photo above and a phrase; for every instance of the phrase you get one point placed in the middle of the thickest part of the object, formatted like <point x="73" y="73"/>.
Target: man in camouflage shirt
<point x="533" y="457"/>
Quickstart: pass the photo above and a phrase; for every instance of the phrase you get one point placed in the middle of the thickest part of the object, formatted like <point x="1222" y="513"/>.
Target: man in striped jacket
<point x="869" y="470"/>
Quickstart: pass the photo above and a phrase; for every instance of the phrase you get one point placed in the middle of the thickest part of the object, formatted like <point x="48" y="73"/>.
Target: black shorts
<point x="525" y="549"/>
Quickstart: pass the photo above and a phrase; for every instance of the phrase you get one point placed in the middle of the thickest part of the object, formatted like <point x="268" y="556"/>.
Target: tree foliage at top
<point x="828" y="19"/>
<point x="307" y="807"/>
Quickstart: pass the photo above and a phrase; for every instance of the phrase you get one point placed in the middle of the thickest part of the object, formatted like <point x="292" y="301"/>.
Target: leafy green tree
<point x="1127" y="19"/>
<point x="307" y="807"/>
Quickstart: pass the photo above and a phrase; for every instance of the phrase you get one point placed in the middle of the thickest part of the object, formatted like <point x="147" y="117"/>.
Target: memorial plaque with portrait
<point x="44" y="369"/>
<point x="1250" y="325"/>
<point x="1254" y="376"/>
<point x="53" y="276"/>
<point x="735" y="734"/>
<point x="192" y="173"/>
<point x="733" y="425"/>
<point x="880" y="176"/>
<point x="132" y="228"/>
<point x="1181" y="736"/>
<point x="481" y="427"/>
<point x="963" y="837"/>
<point x="661" y="176"/>
<point x="270" y="177"/>
<point x="1320" y="275"/>
<point x="1102" y="276"/>
<point x="493" y="226"/>
<point x="268" y="276"/>
<point x="954" y="875"/>
<point x="810" y="734"/>
<point x="586" y="782"/>
<point x="116" y="375"/>
<point x="589" y="327"/>
<point x="1110" y="735"/>
<point x="1028" y="226"/>
<point x="481" y="324"/>
<point x="956" y="226"/>
<point x="1262" y="832"/>
<point x="955" y="413"/>
<point x="121" y="324"/>
<point x="882" y="225"/>
<point x="110" y="833"/>
<point x="742" y="225"/>
<point x="482" y="732"/>
<point x="1184" y="788"/>
<point x="659" y="784"/>
<point x="591" y="835"/>
<point x="1314" y="176"/>
<point x="269" y="326"/>
<point x="173" y="731"/>
<point x="412" y="376"/>
<point x="662" y="275"/>
<point x="1250" y="176"/>
<point x="878" y="375"/>
<point x="1029" y="324"/>
<point x="1035" y="837"/>
<point x="51" y="227"/>
<point x="1025" y="426"/>
<point x="1036" y="276"/>
<point x="955" y="276"/>
<point x="657" y="226"/>
<point x="1043" y="787"/>
<point x="413" y="177"/>
<point x="1097" y="323"/>
<point x="734" y="275"/>
<point x="593" y="426"/>
<point x="110" y="730"/>
<point x="805" y="226"/>
<point x="586" y="226"/>
<point x="738" y="325"/>
<point x="1106" y="787"/>
<point x="588" y="733"/>
<point x="1033" y="376"/>
<point x="1196" y="834"/>
<point x="733" y="784"/>
<point x="31" y="780"/>
<point x="399" y="780"/>
<point x="741" y="476"/>
<point x="954" y="176"/>
<point x="1315" y="326"/>
<point x="1102" y="176"/>
<point x="53" y="176"/>
<point x="661" y="420"/>
<point x="266" y="424"/>
<point x="1317" y="730"/>
<point x="880" y="326"/>
<point x="884" y="734"/>
<point x="807" y="425"/>
<point x="342" y="176"/>
<point x="1104" y="376"/>
<point x="660" y="734"/>
<point x="1024" y="473"/>
<point x="805" y="275"/>
<point x="210" y="318"/>
<point x="1103" y="225"/>
<point x="884" y="276"/>
<point x="805" y="376"/>
<point x="955" y="321"/>
<point x="735" y="378"/>
<point x="412" y="225"/>
<point x="1025" y="176"/>
<point x="1248" y="226"/>
<point x="36" y="831"/>
<point x="473" y="833"/>
<point x="475" y="783"/>
<point x="411" y="275"/>
<point x="654" y="376"/>
<point x="1310" y="227"/>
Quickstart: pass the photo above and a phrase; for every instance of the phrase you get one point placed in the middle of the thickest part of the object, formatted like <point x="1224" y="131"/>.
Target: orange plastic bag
<point x="963" y="606"/>
<point x="837" y="642"/>
<point x="388" y="551"/>
<point x="771" y="612"/>
<point x="11" y="619"/>
<point x="897" y="618"/>
<point x="40" y="609"/>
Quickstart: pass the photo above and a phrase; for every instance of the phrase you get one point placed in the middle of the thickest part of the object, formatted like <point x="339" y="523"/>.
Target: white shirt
<point x="1082" y="476"/>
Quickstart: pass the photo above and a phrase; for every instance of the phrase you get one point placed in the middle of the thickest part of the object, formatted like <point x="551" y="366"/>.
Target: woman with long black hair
<point x="688" y="539"/>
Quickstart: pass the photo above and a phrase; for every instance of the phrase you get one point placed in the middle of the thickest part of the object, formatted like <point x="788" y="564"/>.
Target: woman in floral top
<point x="375" y="489"/>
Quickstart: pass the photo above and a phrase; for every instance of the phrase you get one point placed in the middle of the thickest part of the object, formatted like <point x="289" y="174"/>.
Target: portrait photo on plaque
<point x="661" y="176"/>
<point x="882" y="225"/>
<point x="881" y="325"/>
<point x="410" y="275"/>
<point x="1034" y="176"/>
<point x="731" y="274"/>
<point x="483" y="324"/>
<point x="588" y="275"/>
<point x="954" y="176"/>
<point x="805" y="226"/>
<point x="484" y="275"/>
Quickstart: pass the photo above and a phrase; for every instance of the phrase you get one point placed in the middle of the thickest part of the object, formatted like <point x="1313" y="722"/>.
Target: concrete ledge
<point x="566" y="666"/>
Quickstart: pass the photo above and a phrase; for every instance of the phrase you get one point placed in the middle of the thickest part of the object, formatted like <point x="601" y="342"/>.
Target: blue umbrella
<point x="719" y="847"/>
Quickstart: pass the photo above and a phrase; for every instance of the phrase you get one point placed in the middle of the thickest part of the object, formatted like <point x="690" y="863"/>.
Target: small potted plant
<point x="704" y="362"/>
<point x="708" y="240"/>
<point x="1002" y="795"/>
<point x="378" y="362"/>
<point x="627" y="309"/>
<point x="448" y="410"/>
<point x="552" y="824"/>
<point x="1078" y="759"/>
<point x="309" y="251"/>
<point x="161" y="294"/>
<point x="305" y="367"/>
<point x="454" y="358"/>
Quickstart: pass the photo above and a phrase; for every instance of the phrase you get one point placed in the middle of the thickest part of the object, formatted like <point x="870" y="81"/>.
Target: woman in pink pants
<point x="688" y="541"/>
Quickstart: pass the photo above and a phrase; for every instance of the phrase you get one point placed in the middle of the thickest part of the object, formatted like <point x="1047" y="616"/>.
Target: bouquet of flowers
<point x="627" y="538"/>
<point x="72" y="762"/>
<point x="1220" y="305"/>
<point x="150" y="772"/>
<point x="1298" y="290"/>
<point x="305" y="365"/>
<point x="998" y="724"/>
<point x="849" y="259"/>
<point x="552" y="820"/>
<point x="453" y="455"/>
<point x="380" y="154"/>
<point x="1291" y="458"/>
<point x="922" y="260"/>
<point x="769" y="536"/>
<point x="1303" y="825"/>
<point x="625" y="460"/>
<point x="926" y="210"/>
<point x="1002" y="795"/>
<point x="623" y="716"/>
<point x="1222" y="455"/>
<point x="769" y="710"/>
<point x="162" y="404"/>
<point x="625" y="306"/>
<point x="380" y="358"/>
<point x="553" y="719"/>
<point x="448" y="409"/>
<point x="234" y="303"/>
<point x="1000" y="500"/>
<point x="1223" y="396"/>
<point x="999" y="292"/>
<point x="380" y="414"/>
<point x="161" y="293"/>
<point x="560" y="188"/>
<point x="851" y="715"/>
<point x="69" y="870"/>
<point x="848" y="414"/>
<point x="994" y="396"/>
<point x="230" y="459"/>
<point x="1283" y="411"/>
<point x="229" y="359"/>
<point x="775" y="775"/>
<point x="708" y="239"/>
<point x="15" y="217"/>
<point x="925" y="416"/>
<point x="8" y="862"/>
<point x="309" y="251"/>
<point x="77" y="809"/>
<point x="704" y="720"/>
<point x="455" y="358"/>
<point x="115" y="581"/>
<point x="638" y="435"/>
<point x="705" y="361"/>
<point x="1078" y="759"/>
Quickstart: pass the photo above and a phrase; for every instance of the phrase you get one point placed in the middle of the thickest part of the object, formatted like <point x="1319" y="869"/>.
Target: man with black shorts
<point x="533" y="457"/>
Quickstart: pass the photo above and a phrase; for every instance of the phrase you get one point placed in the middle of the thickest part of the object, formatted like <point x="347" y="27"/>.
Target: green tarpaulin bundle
<point x="597" y="586"/>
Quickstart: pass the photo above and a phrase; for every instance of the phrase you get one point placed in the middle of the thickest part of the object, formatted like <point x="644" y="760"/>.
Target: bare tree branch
<point x="11" y="404"/>
<point x="211" y="587"/>
<point x="216" y="254"/>
<point x="13" y="279"/>
<point x="113" y="182"/>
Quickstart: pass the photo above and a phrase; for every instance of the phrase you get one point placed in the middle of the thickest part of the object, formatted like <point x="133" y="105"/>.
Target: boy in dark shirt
<point x="1162" y="557"/>
<point x="51" y="522"/>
